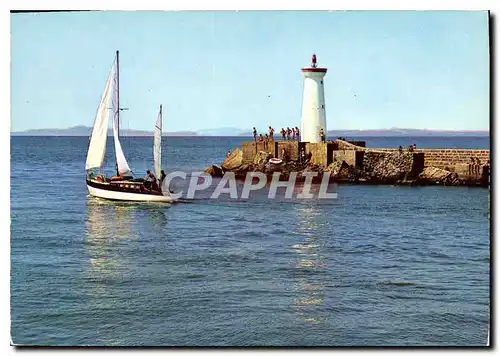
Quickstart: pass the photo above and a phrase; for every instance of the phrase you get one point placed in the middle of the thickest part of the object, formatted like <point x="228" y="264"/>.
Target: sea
<point x="377" y="266"/>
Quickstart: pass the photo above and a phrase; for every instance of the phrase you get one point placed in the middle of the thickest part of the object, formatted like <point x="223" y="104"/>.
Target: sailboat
<point x="123" y="186"/>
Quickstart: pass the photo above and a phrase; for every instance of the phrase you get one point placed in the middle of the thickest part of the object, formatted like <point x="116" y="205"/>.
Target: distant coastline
<point x="234" y="132"/>
<point x="86" y="131"/>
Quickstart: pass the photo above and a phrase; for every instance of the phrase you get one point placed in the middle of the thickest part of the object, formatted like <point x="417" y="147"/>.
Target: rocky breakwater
<point x="397" y="168"/>
<point x="376" y="167"/>
<point x="234" y="163"/>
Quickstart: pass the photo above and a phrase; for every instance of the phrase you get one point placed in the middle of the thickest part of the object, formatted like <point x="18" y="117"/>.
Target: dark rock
<point x="259" y="167"/>
<point x="270" y="168"/>
<point x="356" y="175"/>
<point x="241" y="171"/>
<point x="339" y="169"/>
<point x="214" y="171"/>
<point x="335" y="167"/>
<point x="314" y="168"/>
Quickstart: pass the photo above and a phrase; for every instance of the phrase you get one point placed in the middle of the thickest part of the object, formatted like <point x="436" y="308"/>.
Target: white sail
<point x="123" y="167"/>
<point x="157" y="145"/>
<point x="97" y="145"/>
<point x="121" y="162"/>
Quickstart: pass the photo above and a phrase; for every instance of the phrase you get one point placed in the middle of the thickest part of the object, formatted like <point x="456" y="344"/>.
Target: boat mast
<point x="118" y="91"/>
<point x="117" y="100"/>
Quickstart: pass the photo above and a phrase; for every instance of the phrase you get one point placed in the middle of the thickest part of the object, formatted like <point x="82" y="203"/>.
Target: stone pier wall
<point x="250" y="149"/>
<point x="318" y="151"/>
<point x="462" y="161"/>
<point x="349" y="156"/>
<point x="449" y="158"/>
<point x="290" y="148"/>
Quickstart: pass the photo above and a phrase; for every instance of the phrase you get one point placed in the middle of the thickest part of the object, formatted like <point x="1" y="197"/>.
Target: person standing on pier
<point x="266" y="142"/>
<point x="271" y="133"/>
<point x="288" y="132"/>
<point x="283" y="132"/>
<point x="293" y="133"/>
<point x="297" y="133"/>
<point x="254" y="134"/>
<point x="322" y="135"/>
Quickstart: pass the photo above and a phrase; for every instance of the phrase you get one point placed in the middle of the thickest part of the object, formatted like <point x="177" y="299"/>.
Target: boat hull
<point x="102" y="192"/>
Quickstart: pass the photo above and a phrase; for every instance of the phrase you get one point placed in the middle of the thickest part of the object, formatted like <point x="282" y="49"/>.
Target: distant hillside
<point x="406" y="132"/>
<point x="231" y="131"/>
<point x="86" y="131"/>
<point x="222" y="131"/>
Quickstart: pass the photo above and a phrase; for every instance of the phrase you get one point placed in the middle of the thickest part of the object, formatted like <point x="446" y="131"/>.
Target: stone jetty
<point x="351" y="162"/>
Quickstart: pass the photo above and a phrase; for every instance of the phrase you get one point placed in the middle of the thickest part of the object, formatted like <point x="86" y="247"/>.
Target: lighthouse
<point x="313" y="103"/>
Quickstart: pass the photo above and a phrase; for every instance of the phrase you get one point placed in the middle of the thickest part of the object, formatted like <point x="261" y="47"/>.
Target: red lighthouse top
<point x="314" y="67"/>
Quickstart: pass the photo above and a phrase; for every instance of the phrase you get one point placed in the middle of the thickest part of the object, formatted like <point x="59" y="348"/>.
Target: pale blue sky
<point x="218" y="69"/>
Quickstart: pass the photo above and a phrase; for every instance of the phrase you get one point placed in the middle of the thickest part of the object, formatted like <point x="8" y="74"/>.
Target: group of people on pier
<point x="288" y="134"/>
<point x="411" y="148"/>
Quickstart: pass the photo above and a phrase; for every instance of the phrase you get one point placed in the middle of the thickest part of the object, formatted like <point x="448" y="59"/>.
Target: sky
<point x="212" y="69"/>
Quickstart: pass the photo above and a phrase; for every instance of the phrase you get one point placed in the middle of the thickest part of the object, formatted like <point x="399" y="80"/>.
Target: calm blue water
<point x="381" y="265"/>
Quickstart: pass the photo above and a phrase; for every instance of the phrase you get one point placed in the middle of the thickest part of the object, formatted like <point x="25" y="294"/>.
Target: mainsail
<point x="121" y="162"/>
<point x="123" y="167"/>
<point x="97" y="146"/>
<point x="157" y="145"/>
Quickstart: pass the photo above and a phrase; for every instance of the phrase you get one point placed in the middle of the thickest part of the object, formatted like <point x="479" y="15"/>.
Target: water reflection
<point x="105" y="225"/>
<point x="109" y="223"/>
<point x="115" y="233"/>
<point x="157" y="218"/>
<point x="309" y="286"/>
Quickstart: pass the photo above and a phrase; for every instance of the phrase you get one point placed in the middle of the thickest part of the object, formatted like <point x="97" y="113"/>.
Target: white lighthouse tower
<point x="313" y="104"/>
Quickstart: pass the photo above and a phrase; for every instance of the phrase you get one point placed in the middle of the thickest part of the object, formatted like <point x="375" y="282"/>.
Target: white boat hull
<point x="116" y="195"/>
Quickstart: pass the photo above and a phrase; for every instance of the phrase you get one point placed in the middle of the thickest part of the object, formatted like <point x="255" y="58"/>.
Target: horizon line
<point x="250" y="130"/>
